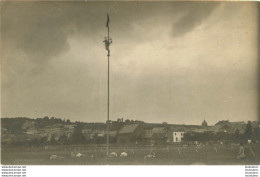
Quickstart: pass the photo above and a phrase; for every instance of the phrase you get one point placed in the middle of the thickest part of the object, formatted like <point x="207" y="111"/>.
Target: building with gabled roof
<point x="223" y="122"/>
<point x="157" y="135"/>
<point x="128" y="128"/>
<point x="112" y="133"/>
<point x="230" y="127"/>
<point x="130" y="133"/>
<point x="159" y="130"/>
<point x="147" y="136"/>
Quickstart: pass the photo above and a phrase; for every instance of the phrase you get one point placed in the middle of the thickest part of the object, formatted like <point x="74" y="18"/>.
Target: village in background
<point x="55" y="131"/>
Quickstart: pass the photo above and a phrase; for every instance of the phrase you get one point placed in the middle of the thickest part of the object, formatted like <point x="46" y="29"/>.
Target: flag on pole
<point x="107" y="21"/>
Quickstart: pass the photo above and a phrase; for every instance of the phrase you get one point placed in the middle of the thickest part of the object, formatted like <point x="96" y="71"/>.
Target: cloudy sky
<point x="178" y="62"/>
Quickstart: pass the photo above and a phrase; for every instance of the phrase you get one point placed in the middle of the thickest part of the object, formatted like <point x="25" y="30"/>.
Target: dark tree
<point x="77" y="137"/>
<point x="67" y="121"/>
<point x="46" y="118"/>
<point x="256" y="134"/>
<point x="248" y="132"/>
<point x="237" y="136"/>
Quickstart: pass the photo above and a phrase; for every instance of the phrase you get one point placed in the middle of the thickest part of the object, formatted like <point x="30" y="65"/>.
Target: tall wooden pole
<point x="108" y="54"/>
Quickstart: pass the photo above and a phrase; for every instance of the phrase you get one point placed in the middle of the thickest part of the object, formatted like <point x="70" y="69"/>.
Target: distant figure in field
<point x="241" y="153"/>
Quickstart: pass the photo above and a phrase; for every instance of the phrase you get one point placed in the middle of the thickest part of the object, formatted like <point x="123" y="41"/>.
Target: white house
<point x="177" y="136"/>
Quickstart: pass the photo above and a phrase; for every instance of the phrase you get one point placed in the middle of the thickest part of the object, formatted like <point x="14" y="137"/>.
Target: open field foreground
<point x="164" y="155"/>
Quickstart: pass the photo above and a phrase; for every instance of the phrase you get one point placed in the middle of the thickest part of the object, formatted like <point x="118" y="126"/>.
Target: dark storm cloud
<point x="41" y="29"/>
<point x="162" y="67"/>
<point x="194" y="16"/>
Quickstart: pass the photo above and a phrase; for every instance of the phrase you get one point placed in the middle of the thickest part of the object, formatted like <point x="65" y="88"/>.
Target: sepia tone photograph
<point x="129" y="83"/>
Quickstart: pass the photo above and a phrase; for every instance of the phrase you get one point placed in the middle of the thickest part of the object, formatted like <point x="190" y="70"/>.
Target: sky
<point x="174" y="62"/>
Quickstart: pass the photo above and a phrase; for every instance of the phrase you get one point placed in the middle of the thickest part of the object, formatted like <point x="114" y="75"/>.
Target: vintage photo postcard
<point x="129" y="83"/>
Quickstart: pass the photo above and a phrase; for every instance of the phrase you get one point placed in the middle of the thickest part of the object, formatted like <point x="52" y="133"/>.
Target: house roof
<point x="158" y="130"/>
<point x="199" y="130"/>
<point x="222" y="122"/>
<point x="128" y="128"/>
<point x="180" y="129"/>
<point x="225" y="127"/>
<point x="237" y="123"/>
<point x="214" y="128"/>
<point x="241" y="126"/>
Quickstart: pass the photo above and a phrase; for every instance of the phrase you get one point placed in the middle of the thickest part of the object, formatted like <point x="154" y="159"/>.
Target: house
<point x="130" y="133"/>
<point x="200" y="130"/>
<point x="177" y="136"/>
<point x="32" y="131"/>
<point x="214" y="128"/>
<point x="147" y="137"/>
<point x="240" y="126"/>
<point x="223" y="122"/>
<point x="69" y="127"/>
<point x="112" y="133"/>
<point x="155" y="136"/>
<point x="228" y="127"/>
<point x="101" y="133"/>
<point x="160" y="134"/>
<point x="86" y="131"/>
<point x="176" y="133"/>
<point x="159" y="130"/>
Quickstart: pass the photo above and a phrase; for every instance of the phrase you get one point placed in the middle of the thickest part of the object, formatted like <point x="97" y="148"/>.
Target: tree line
<point x="249" y="134"/>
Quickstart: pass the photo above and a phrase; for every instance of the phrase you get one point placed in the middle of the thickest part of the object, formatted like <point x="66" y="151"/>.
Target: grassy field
<point x="164" y="155"/>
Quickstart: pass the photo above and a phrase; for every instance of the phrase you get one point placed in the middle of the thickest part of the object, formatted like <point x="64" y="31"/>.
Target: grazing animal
<point x="78" y="155"/>
<point x="123" y="154"/>
<point x="91" y="155"/>
<point x="113" y="154"/>
<point x="53" y="157"/>
<point x="152" y="155"/>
